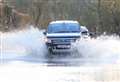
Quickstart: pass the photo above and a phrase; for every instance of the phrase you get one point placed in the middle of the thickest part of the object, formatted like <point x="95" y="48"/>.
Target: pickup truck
<point x="60" y="34"/>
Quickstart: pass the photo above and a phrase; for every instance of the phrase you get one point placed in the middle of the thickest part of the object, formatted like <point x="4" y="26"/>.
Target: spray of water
<point x="105" y="49"/>
<point x="28" y="41"/>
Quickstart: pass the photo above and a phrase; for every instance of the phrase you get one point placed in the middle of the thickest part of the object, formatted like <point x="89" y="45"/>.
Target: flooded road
<point x="29" y="46"/>
<point x="88" y="60"/>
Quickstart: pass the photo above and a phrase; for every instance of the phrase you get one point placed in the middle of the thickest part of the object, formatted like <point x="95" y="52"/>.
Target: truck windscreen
<point x="63" y="28"/>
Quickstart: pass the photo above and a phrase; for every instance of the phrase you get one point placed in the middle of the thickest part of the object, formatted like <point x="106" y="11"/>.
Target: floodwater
<point x="24" y="55"/>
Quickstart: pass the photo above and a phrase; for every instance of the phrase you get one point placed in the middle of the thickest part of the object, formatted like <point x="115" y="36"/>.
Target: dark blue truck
<point x="60" y="34"/>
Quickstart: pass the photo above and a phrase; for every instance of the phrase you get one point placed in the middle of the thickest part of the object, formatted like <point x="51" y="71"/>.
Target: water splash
<point x="28" y="41"/>
<point x="104" y="49"/>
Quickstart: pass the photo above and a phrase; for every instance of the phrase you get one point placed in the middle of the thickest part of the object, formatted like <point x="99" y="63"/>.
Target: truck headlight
<point x="47" y="40"/>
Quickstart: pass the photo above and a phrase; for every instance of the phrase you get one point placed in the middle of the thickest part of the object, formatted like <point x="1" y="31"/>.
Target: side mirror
<point x="44" y="32"/>
<point x="84" y="33"/>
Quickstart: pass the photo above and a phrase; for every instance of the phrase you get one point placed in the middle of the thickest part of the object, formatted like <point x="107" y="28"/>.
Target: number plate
<point x="63" y="46"/>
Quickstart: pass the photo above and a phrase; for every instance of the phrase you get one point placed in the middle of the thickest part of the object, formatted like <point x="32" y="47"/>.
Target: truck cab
<point x="60" y="34"/>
